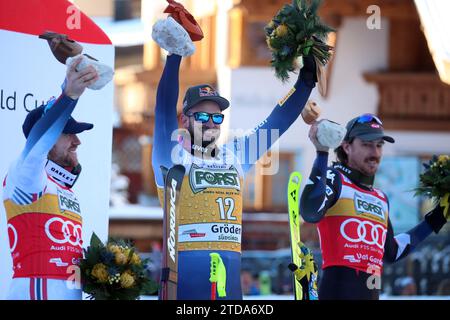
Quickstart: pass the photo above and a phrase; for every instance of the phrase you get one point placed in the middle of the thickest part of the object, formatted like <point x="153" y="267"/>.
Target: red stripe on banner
<point x="44" y="289"/>
<point x="32" y="289"/>
<point x="37" y="16"/>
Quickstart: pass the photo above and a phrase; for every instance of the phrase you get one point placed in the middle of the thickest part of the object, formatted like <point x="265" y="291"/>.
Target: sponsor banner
<point x="210" y="232"/>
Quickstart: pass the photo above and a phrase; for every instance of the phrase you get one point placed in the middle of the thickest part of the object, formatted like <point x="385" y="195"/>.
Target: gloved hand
<point x="438" y="217"/>
<point x="308" y="266"/>
<point x="308" y="73"/>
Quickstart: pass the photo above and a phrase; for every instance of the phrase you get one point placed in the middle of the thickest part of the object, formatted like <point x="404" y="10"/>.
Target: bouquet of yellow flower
<point x="297" y="31"/>
<point x="114" y="271"/>
<point x="435" y="181"/>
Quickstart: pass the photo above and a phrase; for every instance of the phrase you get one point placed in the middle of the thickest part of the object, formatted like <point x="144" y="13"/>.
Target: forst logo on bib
<point x="371" y="205"/>
<point x="201" y="178"/>
<point x="68" y="202"/>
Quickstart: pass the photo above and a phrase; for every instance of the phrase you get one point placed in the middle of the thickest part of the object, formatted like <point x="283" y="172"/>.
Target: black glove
<point x="308" y="74"/>
<point x="436" y="219"/>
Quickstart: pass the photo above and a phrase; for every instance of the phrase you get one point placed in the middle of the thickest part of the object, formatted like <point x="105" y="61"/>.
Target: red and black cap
<point x="203" y="92"/>
<point x="367" y="127"/>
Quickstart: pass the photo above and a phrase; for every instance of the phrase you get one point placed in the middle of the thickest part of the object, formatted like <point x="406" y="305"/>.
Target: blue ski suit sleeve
<point x="399" y="246"/>
<point x="275" y="125"/>
<point x="165" y="117"/>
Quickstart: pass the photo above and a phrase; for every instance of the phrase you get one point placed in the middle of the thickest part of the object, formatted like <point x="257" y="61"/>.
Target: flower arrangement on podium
<point x="114" y="271"/>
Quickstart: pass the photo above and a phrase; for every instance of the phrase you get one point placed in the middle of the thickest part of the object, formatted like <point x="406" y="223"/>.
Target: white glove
<point x="105" y="73"/>
<point x="330" y="134"/>
<point x="172" y="37"/>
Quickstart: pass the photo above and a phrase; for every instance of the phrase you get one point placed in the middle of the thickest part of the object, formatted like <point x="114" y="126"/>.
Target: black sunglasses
<point x="203" y="117"/>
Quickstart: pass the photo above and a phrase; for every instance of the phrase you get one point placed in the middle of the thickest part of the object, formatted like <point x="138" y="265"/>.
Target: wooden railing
<point x="412" y="101"/>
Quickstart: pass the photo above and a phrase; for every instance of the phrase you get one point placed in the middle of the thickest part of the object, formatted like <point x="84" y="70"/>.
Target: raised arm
<point x="165" y="117"/>
<point x="321" y="191"/>
<point x="47" y="130"/>
<point x="283" y="115"/>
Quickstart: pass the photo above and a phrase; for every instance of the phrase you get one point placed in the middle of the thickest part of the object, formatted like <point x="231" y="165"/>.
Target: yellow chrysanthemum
<point x="120" y="258"/>
<point x="114" y="248"/>
<point x="281" y="30"/>
<point x="99" y="271"/>
<point x="127" y="252"/>
<point x="135" y="259"/>
<point x="443" y="158"/>
<point x="127" y="279"/>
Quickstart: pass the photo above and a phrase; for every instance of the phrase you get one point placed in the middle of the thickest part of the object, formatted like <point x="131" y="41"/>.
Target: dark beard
<point x="203" y="143"/>
<point x="203" y="147"/>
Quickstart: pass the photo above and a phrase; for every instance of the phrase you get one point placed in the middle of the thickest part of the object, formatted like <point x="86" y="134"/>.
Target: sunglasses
<point x="365" y="118"/>
<point x="203" y="117"/>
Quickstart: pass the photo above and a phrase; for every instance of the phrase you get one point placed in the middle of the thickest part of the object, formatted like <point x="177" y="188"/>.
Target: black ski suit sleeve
<point x="321" y="191"/>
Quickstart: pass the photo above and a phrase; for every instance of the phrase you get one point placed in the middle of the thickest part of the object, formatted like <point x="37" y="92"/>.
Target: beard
<point x="64" y="159"/>
<point x="207" y="138"/>
<point x="371" y="165"/>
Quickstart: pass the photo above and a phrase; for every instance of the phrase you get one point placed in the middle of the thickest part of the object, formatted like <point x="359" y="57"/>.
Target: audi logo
<point x="14" y="237"/>
<point x="70" y="232"/>
<point x="366" y="232"/>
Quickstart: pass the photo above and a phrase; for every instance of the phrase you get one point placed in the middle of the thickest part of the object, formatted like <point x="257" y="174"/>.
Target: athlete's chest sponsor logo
<point x="62" y="231"/>
<point x="202" y="178"/>
<point x="12" y="234"/>
<point x="365" y="203"/>
<point x="365" y="258"/>
<point x="359" y="231"/>
<point x="68" y="201"/>
<point x="210" y="232"/>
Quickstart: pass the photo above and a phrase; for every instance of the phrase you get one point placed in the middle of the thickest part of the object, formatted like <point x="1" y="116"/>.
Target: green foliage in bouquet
<point x="297" y="31"/>
<point x="435" y="181"/>
<point x="114" y="271"/>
